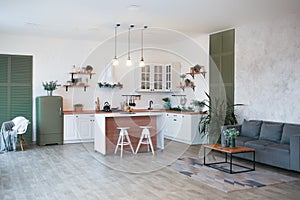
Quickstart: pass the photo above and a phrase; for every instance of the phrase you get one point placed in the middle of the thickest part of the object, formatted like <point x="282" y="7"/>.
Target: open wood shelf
<point x="193" y="74"/>
<point x="73" y="85"/>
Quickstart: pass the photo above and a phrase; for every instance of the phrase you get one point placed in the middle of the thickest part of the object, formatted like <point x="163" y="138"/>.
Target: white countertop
<point x="128" y="114"/>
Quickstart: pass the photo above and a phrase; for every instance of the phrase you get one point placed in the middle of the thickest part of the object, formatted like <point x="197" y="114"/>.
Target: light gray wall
<point x="268" y="70"/>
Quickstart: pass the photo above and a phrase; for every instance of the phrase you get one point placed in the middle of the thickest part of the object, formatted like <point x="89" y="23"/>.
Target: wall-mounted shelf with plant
<point x="197" y="69"/>
<point x="77" y="82"/>
<point x="186" y="83"/>
<point x="110" y="85"/>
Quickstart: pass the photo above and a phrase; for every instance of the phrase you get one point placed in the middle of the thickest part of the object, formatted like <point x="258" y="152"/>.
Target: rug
<point x="194" y="169"/>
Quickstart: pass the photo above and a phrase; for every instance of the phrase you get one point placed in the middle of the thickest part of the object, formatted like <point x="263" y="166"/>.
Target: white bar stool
<point x="145" y="139"/>
<point x="123" y="134"/>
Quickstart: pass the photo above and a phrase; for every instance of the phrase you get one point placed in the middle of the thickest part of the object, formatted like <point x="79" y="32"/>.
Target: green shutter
<point x="16" y="89"/>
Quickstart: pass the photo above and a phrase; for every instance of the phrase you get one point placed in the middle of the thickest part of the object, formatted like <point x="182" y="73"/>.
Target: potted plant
<point x="219" y="113"/>
<point x="89" y="68"/>
<point x="78" y="107"/>
<point x="167" y="104"/>
<point x="231" y="135"/>
<point x="197" y="68"/>
<point x="50" y="86"/>
<point x="198" y="105"/>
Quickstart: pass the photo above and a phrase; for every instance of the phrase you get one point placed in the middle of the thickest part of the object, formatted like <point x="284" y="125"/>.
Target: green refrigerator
<point x="49" y="120"/>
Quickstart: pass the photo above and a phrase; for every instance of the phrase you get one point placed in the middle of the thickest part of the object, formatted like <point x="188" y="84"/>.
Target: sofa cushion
<point x="278" y="147"/>
<point x="259" y="144"/>
<point x="240" y="140"/>
<point x="289" y="130"/>
<point x="251" y="128"/>
<point x="271" y="131"/>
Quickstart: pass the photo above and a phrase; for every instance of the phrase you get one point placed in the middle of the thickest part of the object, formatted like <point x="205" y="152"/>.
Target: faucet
<point x="150" y="103"/>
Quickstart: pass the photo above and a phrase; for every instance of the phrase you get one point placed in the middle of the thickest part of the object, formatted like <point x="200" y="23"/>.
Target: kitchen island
<point x="106" y="132"/>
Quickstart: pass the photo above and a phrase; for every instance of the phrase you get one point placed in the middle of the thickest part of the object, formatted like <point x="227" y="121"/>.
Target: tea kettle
<point x="106" y="107"/>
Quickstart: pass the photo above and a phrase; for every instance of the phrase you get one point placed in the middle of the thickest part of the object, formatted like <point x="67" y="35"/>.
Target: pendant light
<point x="142" y="63"/>
<point x="115" y="61"/>
<point x="129" y="62"/>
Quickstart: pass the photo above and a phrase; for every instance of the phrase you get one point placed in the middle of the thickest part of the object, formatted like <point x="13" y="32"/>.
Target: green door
<point x="221" y="53"/>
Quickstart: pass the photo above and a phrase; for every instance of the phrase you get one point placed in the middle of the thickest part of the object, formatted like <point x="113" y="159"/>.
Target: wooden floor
<point x="75" y="171"/>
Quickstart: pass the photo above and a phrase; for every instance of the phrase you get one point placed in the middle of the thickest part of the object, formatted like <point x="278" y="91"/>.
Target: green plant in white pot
<point x="78" y="107"/>
<point x="50" y="87"/>
<point x="231" y="135"/>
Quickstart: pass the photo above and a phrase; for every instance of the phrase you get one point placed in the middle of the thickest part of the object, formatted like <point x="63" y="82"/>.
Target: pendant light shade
<point x="115" y="61"/>
<point x="129" y="62"/>
<point x="142" y="62"/>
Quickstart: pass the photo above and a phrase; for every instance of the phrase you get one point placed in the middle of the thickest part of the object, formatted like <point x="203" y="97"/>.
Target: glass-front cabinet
<point x="145" y="77"/>
<point x="159" y="77"/>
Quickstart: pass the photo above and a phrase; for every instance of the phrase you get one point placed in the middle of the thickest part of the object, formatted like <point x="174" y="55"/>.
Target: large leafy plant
<point x="220" y="113"/>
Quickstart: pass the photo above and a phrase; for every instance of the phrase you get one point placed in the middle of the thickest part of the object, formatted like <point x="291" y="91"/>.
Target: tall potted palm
<point x="219" y="114"/>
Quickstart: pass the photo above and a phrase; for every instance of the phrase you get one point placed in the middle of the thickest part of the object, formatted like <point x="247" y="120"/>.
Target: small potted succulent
<point x="231" y="135"/>
<point x="198" y="105"/>
<point x="197" y="68"/>
<point x="89" y="68"/>
<point x="50" y="87"/>
<point x="78" y="107"/>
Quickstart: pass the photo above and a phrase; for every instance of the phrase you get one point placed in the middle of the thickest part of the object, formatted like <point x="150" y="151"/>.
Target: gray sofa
<point x="276" y="144"/>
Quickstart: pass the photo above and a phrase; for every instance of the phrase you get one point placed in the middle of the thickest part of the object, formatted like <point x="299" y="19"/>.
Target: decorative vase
<point x="232" y="143"/>
<point x="49" y="92"/>
<point x="167" y="105"/>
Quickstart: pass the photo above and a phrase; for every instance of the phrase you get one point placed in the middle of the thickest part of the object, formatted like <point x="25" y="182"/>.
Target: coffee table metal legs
<point x="230" y="170"/>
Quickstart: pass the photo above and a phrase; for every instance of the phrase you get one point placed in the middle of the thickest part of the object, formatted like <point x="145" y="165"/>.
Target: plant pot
<point x="49" y="92"/>
<point x="167" y="105"/>
<point x="78" y="109"/>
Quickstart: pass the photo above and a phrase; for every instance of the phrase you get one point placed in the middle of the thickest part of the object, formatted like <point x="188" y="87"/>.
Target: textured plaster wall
<point x="268" y="70"/>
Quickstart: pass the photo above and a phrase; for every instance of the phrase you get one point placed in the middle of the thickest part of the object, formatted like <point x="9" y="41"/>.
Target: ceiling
<point x="95" y="19"/>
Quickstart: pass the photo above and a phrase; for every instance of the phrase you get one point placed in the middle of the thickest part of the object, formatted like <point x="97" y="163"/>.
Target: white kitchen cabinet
<point x="159" y="77"/>
<point x="69" y="128"/>
<point x="182" y="128"/>
<point x="172" y="126"/>
<point x="79" y="128"/>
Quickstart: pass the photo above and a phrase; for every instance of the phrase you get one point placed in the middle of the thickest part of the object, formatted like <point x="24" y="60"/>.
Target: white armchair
<point x="21" y="124"/>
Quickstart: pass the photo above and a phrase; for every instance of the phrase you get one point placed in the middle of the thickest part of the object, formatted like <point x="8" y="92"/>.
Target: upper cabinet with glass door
<point x="159" y="78"/>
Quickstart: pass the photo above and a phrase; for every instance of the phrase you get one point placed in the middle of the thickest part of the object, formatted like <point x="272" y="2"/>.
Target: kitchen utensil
<point x="183" y="101"/>
<point x="106" y="107"/>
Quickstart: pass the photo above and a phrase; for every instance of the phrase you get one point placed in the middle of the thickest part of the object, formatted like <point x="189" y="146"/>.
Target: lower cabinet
<point x="79" y="128"/>
<point x="182" y="128"/>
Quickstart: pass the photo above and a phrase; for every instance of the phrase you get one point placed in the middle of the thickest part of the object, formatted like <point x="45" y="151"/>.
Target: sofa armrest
<point x="295" y="152"/>
<point x="225" y="127"/>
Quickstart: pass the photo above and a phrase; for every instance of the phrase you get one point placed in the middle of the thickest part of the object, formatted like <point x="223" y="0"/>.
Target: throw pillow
<point x="271" y="131"/>
<point x="289" y="130"/>
<point x="251" y="128"/>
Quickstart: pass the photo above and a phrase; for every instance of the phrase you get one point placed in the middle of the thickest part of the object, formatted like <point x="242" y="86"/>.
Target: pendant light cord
<point x="117" y="25"/>
<point x="142" y="41"/>
<point x="131" y="26"/>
